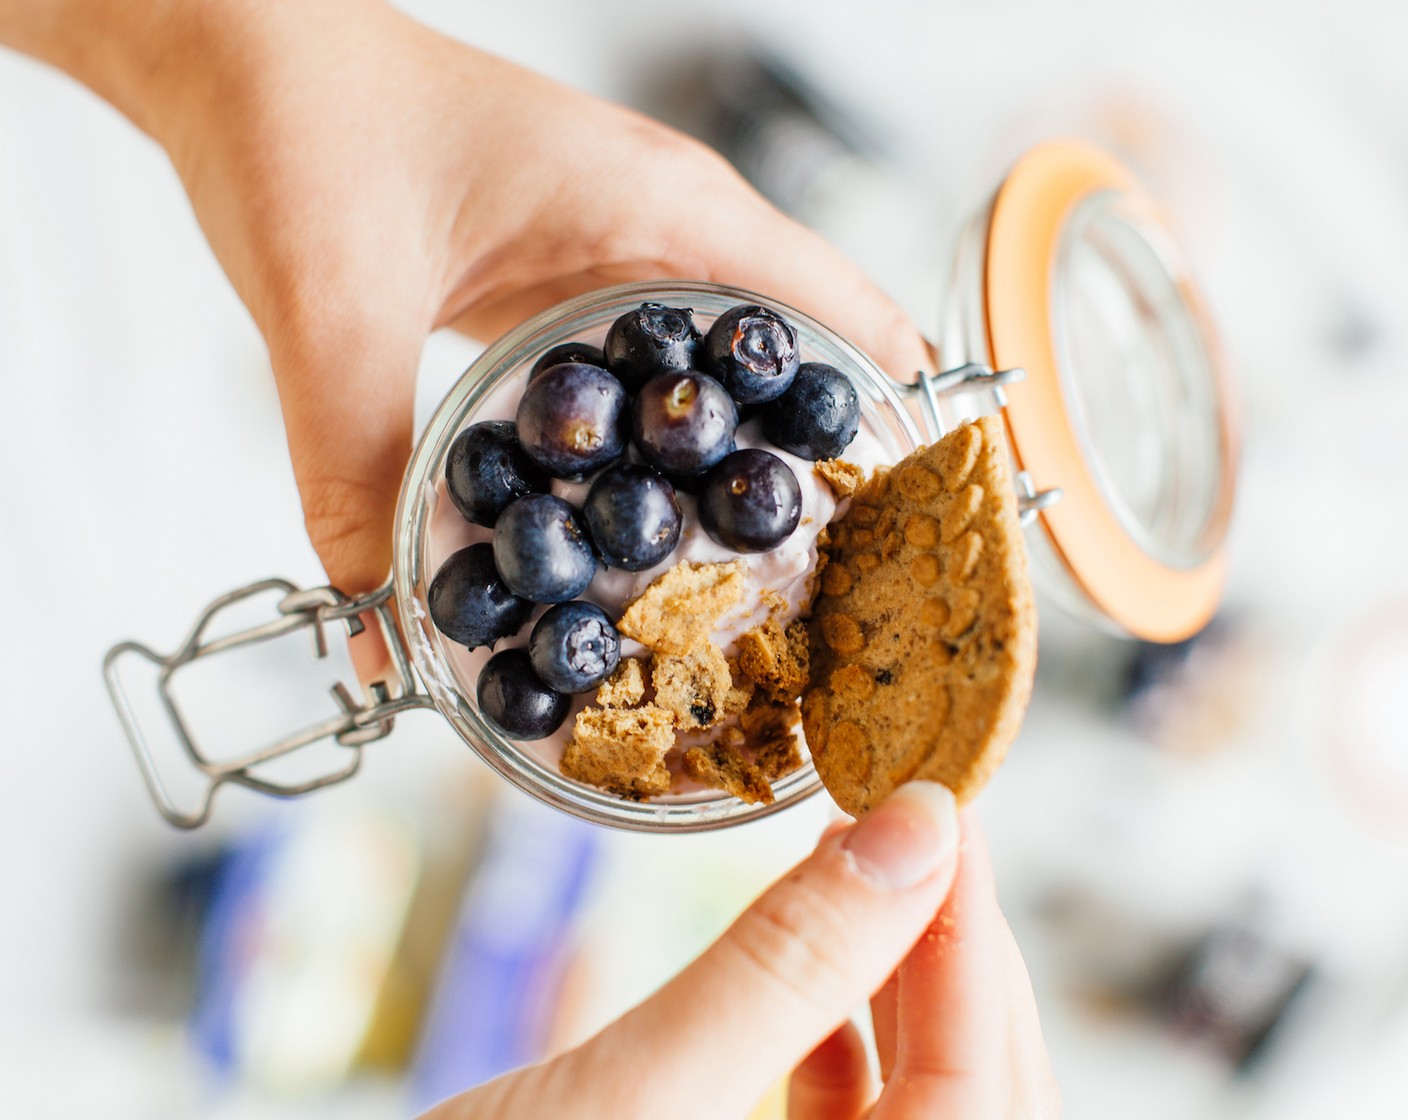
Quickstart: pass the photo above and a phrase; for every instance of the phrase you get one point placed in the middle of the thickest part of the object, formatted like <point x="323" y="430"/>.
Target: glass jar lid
<point x="1125" y="406"/>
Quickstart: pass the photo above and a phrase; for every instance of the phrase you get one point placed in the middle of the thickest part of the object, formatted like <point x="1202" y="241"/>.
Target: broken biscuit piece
<point x="776" y="658"/>
<point x="695" y="688"/>
<point x="721" y="765"/>
<point x="679" y="610"/>
<point x="844" y="478"/>
<point x="625" y="688"/>
<point x="769" y="727"/>
<point x="621" y="749"/>
<point x="740" y="693"/>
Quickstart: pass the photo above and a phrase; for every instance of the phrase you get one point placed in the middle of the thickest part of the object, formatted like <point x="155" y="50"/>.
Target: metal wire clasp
<point x="352" y="726"/>
<point x="971" y="377"/>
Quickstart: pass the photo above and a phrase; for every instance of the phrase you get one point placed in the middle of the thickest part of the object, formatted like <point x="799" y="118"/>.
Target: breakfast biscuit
<point x="923" y="633"/>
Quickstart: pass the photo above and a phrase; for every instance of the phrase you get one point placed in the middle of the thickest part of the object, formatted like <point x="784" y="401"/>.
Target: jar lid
<point x="1125" y="406"/>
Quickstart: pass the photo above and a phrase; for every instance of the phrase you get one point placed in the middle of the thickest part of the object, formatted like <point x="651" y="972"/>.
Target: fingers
<point x="884" y="1011"/>
<point x="833" y="1081"/>
<point x="967" y="1041"/>
<point x="682" y="213"/>
<point x="347" y="392"/>
<point x="782" y="977"/>
<point x="752" y="245"/>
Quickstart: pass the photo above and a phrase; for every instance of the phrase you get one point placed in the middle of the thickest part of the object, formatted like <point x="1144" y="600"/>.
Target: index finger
<point x="767" y="252"/>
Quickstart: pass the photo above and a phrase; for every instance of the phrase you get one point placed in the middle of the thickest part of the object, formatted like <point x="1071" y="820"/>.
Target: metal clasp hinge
<point x="354" y="725"/>
<point x="975" y="377"/>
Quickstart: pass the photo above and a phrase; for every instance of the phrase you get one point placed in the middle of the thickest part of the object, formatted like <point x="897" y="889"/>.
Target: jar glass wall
<point x="481" y="391"/>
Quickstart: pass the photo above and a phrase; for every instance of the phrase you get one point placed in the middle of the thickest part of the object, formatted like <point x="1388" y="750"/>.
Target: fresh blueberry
<point x="487" y="468"/>
<point x="817" y="417"/>
<point x="684" y="422"/>
<point x="470" y="604"/>
<point x="566" y="352"/>
<point x="571" y="420"/>
<point x="750" y="502"/>
<point x="515" y="701"/>
<point x="650" y="340"/>
<point x="633" y="517"/>
<point x="542" y="550"/>
<point x="574" y="647"/>
<point x="753" y="351"/>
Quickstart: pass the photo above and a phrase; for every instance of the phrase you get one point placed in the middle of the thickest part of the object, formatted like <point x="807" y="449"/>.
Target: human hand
<point x="364" y="180"/>
<point x="955" y="1023"/>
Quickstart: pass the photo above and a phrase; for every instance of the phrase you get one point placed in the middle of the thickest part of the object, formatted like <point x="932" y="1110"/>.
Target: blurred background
<point x="1202" y="850"/>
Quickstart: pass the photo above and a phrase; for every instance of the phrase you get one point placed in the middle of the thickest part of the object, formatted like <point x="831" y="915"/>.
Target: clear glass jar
<point x="1121" y="434"/>
<point x="586" y="319"/>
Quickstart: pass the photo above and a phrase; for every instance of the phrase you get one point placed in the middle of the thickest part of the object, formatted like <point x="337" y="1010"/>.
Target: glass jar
<point x="1120" y="433"/>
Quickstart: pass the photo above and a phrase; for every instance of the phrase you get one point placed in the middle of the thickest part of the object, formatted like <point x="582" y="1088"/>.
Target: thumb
<point x="347" y="394"/>
<point x="819" y="942"/>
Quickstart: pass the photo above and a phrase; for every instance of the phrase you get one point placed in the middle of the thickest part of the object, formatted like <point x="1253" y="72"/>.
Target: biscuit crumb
<point x="621" y="750"/>
<point x="776" y="658"/>
<point x="721" y="765"/>
<point x="680" y="608"/>
<point x="740" y="693"/>
<point x="844" y="478"/>
<point x="694" y="688"/>
<point x="769" y="729"/>
<point x="625" y="688"/>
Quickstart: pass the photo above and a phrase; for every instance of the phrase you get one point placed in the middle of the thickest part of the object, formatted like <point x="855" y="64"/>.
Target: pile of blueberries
<point x="673" y="395"/>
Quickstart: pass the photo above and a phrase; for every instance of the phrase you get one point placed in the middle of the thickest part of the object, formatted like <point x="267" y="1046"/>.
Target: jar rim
<point x="1160" y="594"/>
<point x="499" y="362"/>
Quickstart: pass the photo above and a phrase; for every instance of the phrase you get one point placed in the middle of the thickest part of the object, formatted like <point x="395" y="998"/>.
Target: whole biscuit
<point x="923" y="633"/>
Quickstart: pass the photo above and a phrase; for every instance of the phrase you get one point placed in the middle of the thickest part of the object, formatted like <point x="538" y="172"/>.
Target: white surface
<point x="142" y="471"/>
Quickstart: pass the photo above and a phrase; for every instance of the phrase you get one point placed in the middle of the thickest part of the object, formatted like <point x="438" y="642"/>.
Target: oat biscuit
<point x="679" y="610"/>
<point x="775" y="657"/>
<point x="621" y="750"/>
<point x="625" y="688"/>
<point x="694" y="688"/>
<point x="922" y="652"/>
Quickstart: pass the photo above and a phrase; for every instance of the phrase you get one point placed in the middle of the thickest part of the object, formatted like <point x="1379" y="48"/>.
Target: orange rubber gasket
<point x="1144" y="596"/>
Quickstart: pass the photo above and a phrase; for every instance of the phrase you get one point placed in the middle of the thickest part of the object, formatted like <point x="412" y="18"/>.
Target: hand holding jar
<point x="365" y="181"/>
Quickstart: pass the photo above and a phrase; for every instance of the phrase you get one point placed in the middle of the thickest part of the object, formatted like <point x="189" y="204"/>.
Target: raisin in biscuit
<point x="923" y="633"/>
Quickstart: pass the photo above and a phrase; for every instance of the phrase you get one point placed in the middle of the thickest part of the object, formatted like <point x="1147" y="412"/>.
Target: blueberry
<point x="817" y="417"/>
<point x="514" y="700"/>
<point x="571" y="420"/>
<point x="633" y="517"/>
<point x="683" y="423"/>
<point x="470" y="604"/>
<point x="650" y="340"/>
<point x="568" y="352"/>
<point x="574" y="647"/>
<point x="753" y="351"/>
<point x="487" y="468"/>
<point x="542" y="550"/>
<point x="750" y="502"/>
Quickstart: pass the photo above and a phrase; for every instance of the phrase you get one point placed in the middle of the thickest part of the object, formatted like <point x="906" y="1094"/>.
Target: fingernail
<point x="907" y="837"/>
